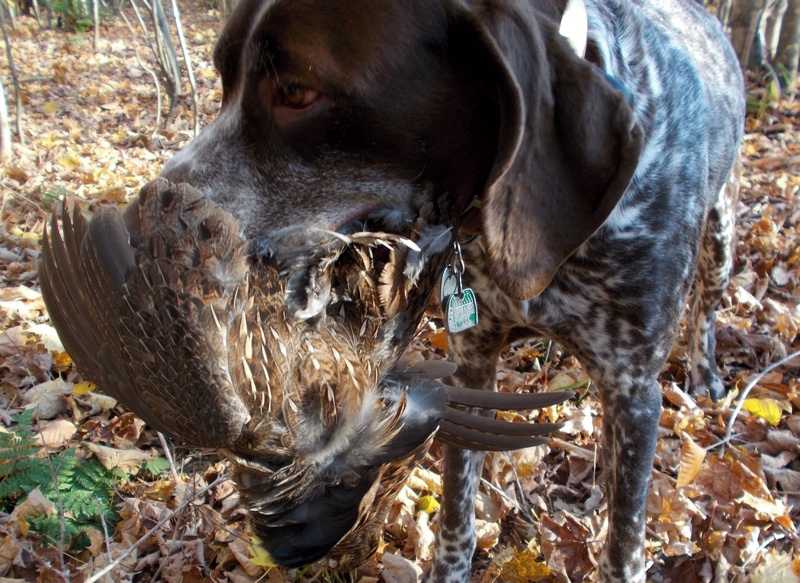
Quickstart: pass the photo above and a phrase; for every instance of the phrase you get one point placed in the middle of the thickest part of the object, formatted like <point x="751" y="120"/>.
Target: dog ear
<point x="567" y="149"/>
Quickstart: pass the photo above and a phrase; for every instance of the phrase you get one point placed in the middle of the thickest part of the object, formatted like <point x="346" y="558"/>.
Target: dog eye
<point x="298" y="97"/>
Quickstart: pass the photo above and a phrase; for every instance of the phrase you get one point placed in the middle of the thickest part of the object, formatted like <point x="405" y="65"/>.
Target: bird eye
<point x="298" y="97"/>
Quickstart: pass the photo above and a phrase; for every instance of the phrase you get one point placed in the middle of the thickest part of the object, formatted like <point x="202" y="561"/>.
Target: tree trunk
<point x="15" y="79"/>
<point x="747" y="19"/>
<point x="188" y="63"/>
<point x="96" y="15"/>
<point x="5" y="128"/>
<point x="774" y="23"/>
<point x="789" y="46"/>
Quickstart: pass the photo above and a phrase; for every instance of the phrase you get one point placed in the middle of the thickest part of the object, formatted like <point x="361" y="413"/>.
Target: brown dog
<point x="602" y="181"/>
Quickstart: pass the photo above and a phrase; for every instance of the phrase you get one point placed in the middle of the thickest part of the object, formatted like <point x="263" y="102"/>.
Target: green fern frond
<point x="156" y="466"/>
<point x="83" y="489"/>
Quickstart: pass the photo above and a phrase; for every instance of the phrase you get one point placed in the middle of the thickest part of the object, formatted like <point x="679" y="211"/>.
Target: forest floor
<point x="716" y="512"/>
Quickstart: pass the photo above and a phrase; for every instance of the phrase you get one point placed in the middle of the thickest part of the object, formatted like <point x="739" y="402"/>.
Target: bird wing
<point x="151" y="325"/>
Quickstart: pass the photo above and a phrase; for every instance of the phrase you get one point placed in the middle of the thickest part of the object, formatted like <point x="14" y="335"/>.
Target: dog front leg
<point x="455" y="535"/>
<point x="630" y="429"/>
<point x="475" y="351"/>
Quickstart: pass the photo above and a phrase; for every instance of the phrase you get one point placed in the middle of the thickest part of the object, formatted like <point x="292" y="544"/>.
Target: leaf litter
<point x="716" y="513"/>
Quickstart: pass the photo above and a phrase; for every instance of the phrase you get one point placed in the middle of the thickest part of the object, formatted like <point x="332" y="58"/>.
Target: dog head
<point x="335" y="112"/>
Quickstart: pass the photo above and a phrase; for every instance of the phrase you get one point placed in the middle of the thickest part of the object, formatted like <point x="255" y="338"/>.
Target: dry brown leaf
<point x="487" y="508"/>
<point x="678" y="396"/>
<point x="781" y="440"/>
<point x="126" y="430"/>
<point x="692" y="457"/>
<point x="15" y="173"/>
<point x="783" y="480"/>
<point x="398" y="569"/>
<point x="34" y="505"/>
<point x="423" y="479"/>
<point x="9" y="551"/>
<point x="49" y="398"/>
<point x="671" y="515"/>
<point x="566" y="544"/>
<point x="422" y="537"/>
<point x="242" y="551"/>
<point x="566" y="380"/>
<point x="96" y="541"/>
<point x="776" y="567"/>
<point x="488" y="533"/>
<point x="127" y="460"/>
<point x="56" y="433"/>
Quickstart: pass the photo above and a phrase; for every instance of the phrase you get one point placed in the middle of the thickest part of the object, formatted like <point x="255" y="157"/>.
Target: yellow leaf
<point x="17" y="174"/>
<point x="160" y="490"/>
<point x="23" y="526"/>
<point x="692" y="457"/>
<point x="49" y="141"/>
<point x="114" y="194"/>
<point x="439" y="339"/>
<point x="767" y="409"/>
<point x="428" y="504"/>
<point x="524" y="568"/>
<point x="70" y="161"/>
<point x="50" y="107"/>
<point x="61" y="360"/>
<point x="259" y="556"/>
<point x="81" y="388"/>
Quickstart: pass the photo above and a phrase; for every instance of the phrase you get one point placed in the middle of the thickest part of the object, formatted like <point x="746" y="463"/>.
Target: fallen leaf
<point x="428" y="504"/>
<point x="692" y="457"/>
<point x="260" y="557"/>
<point x="242" y="550"/>
<point x="488" y="533"/>
<point x="565" y="546"/>
<point x="398" y="569"/>
<point x="767" y="409"/>
<point x="17" y="174"/>
<point x="56" y="433"/>
<point x="127" y="460"/>
<point x="35" y="504"/>
<point x="776" y="567"/>
<point x="70" y="162"/>
<point x="422" y="537"/>
<point x="9" y="550"/>
<point x="524" y="568"/>
<point x="439" y="339"/>
<point x="83" y="387"/>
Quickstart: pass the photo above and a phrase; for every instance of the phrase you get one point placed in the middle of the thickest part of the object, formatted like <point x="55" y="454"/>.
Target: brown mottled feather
<point x="283" y="359"/>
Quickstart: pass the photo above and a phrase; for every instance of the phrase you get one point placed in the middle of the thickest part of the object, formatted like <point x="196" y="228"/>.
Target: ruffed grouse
<point x="282" y="352"/>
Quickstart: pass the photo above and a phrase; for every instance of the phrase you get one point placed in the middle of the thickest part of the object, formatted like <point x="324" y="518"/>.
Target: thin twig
<point x="106" y="538"/>
<point x="59" y="500"/>
<point x="743" y="397"/>
<point x="187" y="61"/>
<point x="175" y="478"/>
<point x="142" y="65"/>
<point x="502" y="494"/>
<point x="168" y="455"/>
<point x="159" y="524"/>
<point x="768" y="541"/>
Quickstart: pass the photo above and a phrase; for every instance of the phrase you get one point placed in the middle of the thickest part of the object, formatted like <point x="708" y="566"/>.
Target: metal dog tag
<point x="448" y="286"/>
<point x="458" y="303"/>
<point x="462" y="311"/>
